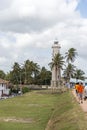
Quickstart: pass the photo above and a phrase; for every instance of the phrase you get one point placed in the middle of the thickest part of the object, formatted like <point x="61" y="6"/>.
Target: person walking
<point x="85" y="92"/>
<point x="76" y="88"/>
<point x="80" y="92"/>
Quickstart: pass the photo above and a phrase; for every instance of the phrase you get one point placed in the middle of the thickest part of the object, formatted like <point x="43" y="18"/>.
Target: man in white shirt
<point x="85" y="92"/>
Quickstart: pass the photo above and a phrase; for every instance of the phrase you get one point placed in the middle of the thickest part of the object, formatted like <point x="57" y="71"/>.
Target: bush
<point x="25" y="90"/>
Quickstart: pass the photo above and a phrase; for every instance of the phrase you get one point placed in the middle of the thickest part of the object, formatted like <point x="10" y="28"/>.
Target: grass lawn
<point x="33" y="110"/>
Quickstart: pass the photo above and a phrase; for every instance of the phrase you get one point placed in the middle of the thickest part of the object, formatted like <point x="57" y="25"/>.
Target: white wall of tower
<point x="55" y="74"/>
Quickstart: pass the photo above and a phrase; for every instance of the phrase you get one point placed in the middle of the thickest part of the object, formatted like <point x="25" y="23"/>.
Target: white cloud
<point x="36" y="15"/>
<point x="28" y="29"/>
<point x="22" y="40"/>
<point x="2" y="59"/>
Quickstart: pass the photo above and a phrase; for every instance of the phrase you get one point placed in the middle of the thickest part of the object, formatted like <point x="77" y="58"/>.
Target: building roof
<point x="3" y="81"/>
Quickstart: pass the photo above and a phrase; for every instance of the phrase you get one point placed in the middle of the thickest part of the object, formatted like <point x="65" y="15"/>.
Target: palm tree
<point x="43" y="76"/>
<point x="71" y="55"/>
<point x="15" y="73"/>
<point x="31" y="71"/>
<point x="69" y="71"/>
<point x="35" y="72"/>
<point x="2" y="74"/>
<point x="79" y="74"/>
<point x="57" y="63"/>
<point x="35" y="69"/>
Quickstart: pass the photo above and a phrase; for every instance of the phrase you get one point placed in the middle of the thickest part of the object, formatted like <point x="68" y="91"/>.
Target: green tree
<point x="8" y="76"/>
<point x="35" y="72"/>
<point x="44" y="77"/>
<point x="2" y="74"/>
<point x="71" y="55"/>
<point x="15" y="73"/>
<point x="57" y="63"/>
<point x="31" y="71"/>
<point x="79" y="75"/>
<point x="69" y="71"/>
<point x="70" y="58"/>
<point x="28" y="71"/>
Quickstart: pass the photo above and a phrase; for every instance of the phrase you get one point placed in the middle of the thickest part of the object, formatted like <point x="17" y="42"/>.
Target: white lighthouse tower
<point x="56" y="74"/>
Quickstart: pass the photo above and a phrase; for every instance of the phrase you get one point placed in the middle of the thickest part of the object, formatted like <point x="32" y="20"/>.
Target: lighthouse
<point x="56" y="74"/>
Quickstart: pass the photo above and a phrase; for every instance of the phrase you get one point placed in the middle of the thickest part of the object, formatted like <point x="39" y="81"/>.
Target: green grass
<point x="67" y="115"/>
<point x="33" y="110"/>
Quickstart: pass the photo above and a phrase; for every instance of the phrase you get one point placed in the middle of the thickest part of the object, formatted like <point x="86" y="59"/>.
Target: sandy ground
<point x="83" y="105"/>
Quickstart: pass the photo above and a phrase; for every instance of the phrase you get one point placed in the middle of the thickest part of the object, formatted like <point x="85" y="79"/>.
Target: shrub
<point x="25" y="90"/>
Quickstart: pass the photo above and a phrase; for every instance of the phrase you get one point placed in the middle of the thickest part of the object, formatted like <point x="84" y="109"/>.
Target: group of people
<point x="81" y="91"/>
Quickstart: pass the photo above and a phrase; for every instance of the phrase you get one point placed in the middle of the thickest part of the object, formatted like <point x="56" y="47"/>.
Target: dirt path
<point x="83" y="105"/>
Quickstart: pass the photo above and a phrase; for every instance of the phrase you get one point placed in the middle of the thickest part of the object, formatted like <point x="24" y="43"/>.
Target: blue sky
<point x="28" y="29"/>
<point x="82" y="6"/>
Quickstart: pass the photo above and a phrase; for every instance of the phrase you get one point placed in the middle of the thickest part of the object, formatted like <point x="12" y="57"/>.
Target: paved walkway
<point x="83" y="105"/>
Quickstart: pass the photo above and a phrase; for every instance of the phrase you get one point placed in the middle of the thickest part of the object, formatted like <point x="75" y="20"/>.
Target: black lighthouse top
<point x="56" y="42"/>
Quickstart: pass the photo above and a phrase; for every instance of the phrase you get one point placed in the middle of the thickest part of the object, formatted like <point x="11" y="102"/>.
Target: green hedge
<point x="25" y="90"/>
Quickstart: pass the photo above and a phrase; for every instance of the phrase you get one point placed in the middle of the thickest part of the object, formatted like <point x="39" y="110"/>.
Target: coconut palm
<point x="31" y="71"/>
<point x="79" y="74"/>
<point x="57" y="63"/>
<point x="15" y="73"/>
<point x="44" y="76"/>
<point x="71" y="55"/>
<point x="69" y="71"/>
<point x="35" y="72"/>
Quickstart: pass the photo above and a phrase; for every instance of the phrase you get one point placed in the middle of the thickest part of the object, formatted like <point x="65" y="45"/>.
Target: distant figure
<point x="76" y="88"/>
<point x="71" y="85"/>
<point x="80" y="92"/>
<point x="85" y="92"/>
<point x="67" y="85"/>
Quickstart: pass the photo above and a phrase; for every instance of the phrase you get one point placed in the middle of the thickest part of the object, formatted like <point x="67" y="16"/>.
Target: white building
<point x="55" y="73"/>
<point x="4" y="90"/>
